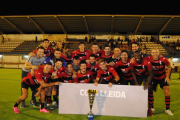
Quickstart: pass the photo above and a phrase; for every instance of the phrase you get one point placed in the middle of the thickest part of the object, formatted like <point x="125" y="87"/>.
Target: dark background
<point x="90" y="7"/>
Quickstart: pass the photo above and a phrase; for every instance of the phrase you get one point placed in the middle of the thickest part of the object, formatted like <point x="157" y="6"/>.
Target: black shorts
<point x="104" y="81"/>
<point x="54" y="80"/>
<point x="161" y="82"/>
<point x="125" y="82"/>
<point x="26" y="86"/>
<point x="143" y="78"/>
<point x="24" y="74"/>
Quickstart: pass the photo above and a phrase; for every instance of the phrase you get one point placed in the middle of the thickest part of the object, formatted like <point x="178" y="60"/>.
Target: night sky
<point x="90" y="7"/>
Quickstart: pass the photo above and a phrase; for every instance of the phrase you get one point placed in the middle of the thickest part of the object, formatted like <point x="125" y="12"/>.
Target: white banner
<point x="80" y="36"/>
<point x="119" y="100"/>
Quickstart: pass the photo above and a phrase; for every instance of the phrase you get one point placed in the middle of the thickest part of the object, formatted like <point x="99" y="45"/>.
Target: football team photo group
<point x="47" y="68"/>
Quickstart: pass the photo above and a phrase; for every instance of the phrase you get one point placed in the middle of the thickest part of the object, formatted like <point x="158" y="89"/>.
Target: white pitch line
<point x="176" y="80"/>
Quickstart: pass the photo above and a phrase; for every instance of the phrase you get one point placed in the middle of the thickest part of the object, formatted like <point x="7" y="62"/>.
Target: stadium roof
<point x="90" y="24"/>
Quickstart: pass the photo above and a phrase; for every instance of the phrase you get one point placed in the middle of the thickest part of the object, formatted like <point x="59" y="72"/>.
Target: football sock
<point x="48" y="99"/>
<point x="33" y="93"/>
<point x="150" y="99"/>
<point x="39" y="101"/>
<point x="16" y="105"/>
<point x="55" y="97"/>
<point x="167" y="102"/>
<point x="42" y="105"/>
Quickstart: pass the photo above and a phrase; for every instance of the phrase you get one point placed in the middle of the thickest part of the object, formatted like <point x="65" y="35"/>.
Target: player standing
<point x="124" y="66"/>
<point x="161" y="77"/>
<point x="33" y="63"/>
<point x="142" y="71"/>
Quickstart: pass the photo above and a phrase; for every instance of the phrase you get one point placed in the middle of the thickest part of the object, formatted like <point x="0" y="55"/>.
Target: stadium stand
<point x="151" y="45"/>
<point x="9" y="46"/>
<point x="26" y="47"/>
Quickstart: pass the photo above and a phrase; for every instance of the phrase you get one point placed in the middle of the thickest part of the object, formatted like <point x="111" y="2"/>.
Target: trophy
<point x="91" y="94"/>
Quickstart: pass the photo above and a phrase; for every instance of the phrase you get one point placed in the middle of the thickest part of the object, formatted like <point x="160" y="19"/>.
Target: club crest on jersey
<point x="88" y="75"/>
<point x="108" y="73"/>
<point x="44" y="78"/>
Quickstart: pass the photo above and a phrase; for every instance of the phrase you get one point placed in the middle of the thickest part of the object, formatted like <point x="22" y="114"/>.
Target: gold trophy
<point x="91" y="94"/>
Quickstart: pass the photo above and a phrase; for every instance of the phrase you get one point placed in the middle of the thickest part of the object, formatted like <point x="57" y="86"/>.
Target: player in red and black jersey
<point x="84" y="75"/>
<point x="106" y="74"/>
<point x="124" y="66"/>
<point x="142" y="71"/>
<point x="95" y="51"/>
<point x="159" y="64"/>
<point x="39" y="79"/>
<point x="47" y="50"/>
<point x="93" y="66"/>
<point x="81" y="52"/>
<point x="115" y="58"/>
<point x="69" y="75"/>
<point x="106" y="55"/>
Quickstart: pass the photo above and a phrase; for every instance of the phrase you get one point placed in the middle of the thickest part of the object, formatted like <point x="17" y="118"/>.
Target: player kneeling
<point x="39" y="80"/>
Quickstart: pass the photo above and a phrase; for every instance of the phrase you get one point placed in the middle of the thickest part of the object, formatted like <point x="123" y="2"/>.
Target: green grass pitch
<point x="10" y="80"/>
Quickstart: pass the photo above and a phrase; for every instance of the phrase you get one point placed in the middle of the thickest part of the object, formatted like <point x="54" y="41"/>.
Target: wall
<point x="12" y="61"/>
<point x="33" y="37"/>
<point x="55" y="37"/>
<point x="82" y="36"/>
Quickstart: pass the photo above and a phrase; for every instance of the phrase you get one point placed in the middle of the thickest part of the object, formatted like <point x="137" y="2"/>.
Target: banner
<point x="56" y="37"/>
<point x="80" y="36"/>
<point x="170" y="38"/>
<point x="119" y="100"/>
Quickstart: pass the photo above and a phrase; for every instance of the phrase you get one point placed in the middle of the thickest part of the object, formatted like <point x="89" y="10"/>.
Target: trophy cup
<point x="91" y="94"/>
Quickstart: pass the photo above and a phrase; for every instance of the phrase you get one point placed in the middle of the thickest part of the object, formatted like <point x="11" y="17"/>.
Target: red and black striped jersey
<point x="82" y="55"/>
<point x="84" y="78"/>
<point x="38" y="76"/>
<point x="125" y="68"/>
<point x="68" y="60"/>
<point x="107" y="75"/>
<point x="106" y="58"/>
<point x="141" y="69"/>
<point x="159" y="67"/>
<point x="93" y="69"/>
<point x="97" y="55"/>
<point x="66" y="78"/>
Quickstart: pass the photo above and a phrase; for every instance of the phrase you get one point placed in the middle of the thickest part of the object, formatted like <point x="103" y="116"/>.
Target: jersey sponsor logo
<point x="36" y="81"/>
<point x="126" y="70"/>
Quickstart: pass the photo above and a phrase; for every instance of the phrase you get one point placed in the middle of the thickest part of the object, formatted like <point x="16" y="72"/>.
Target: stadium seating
<point x="26" y="47"/>
<point x="151" y="45"/>
<point x="29" y="46"/>
<point x="9" y="46"/>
